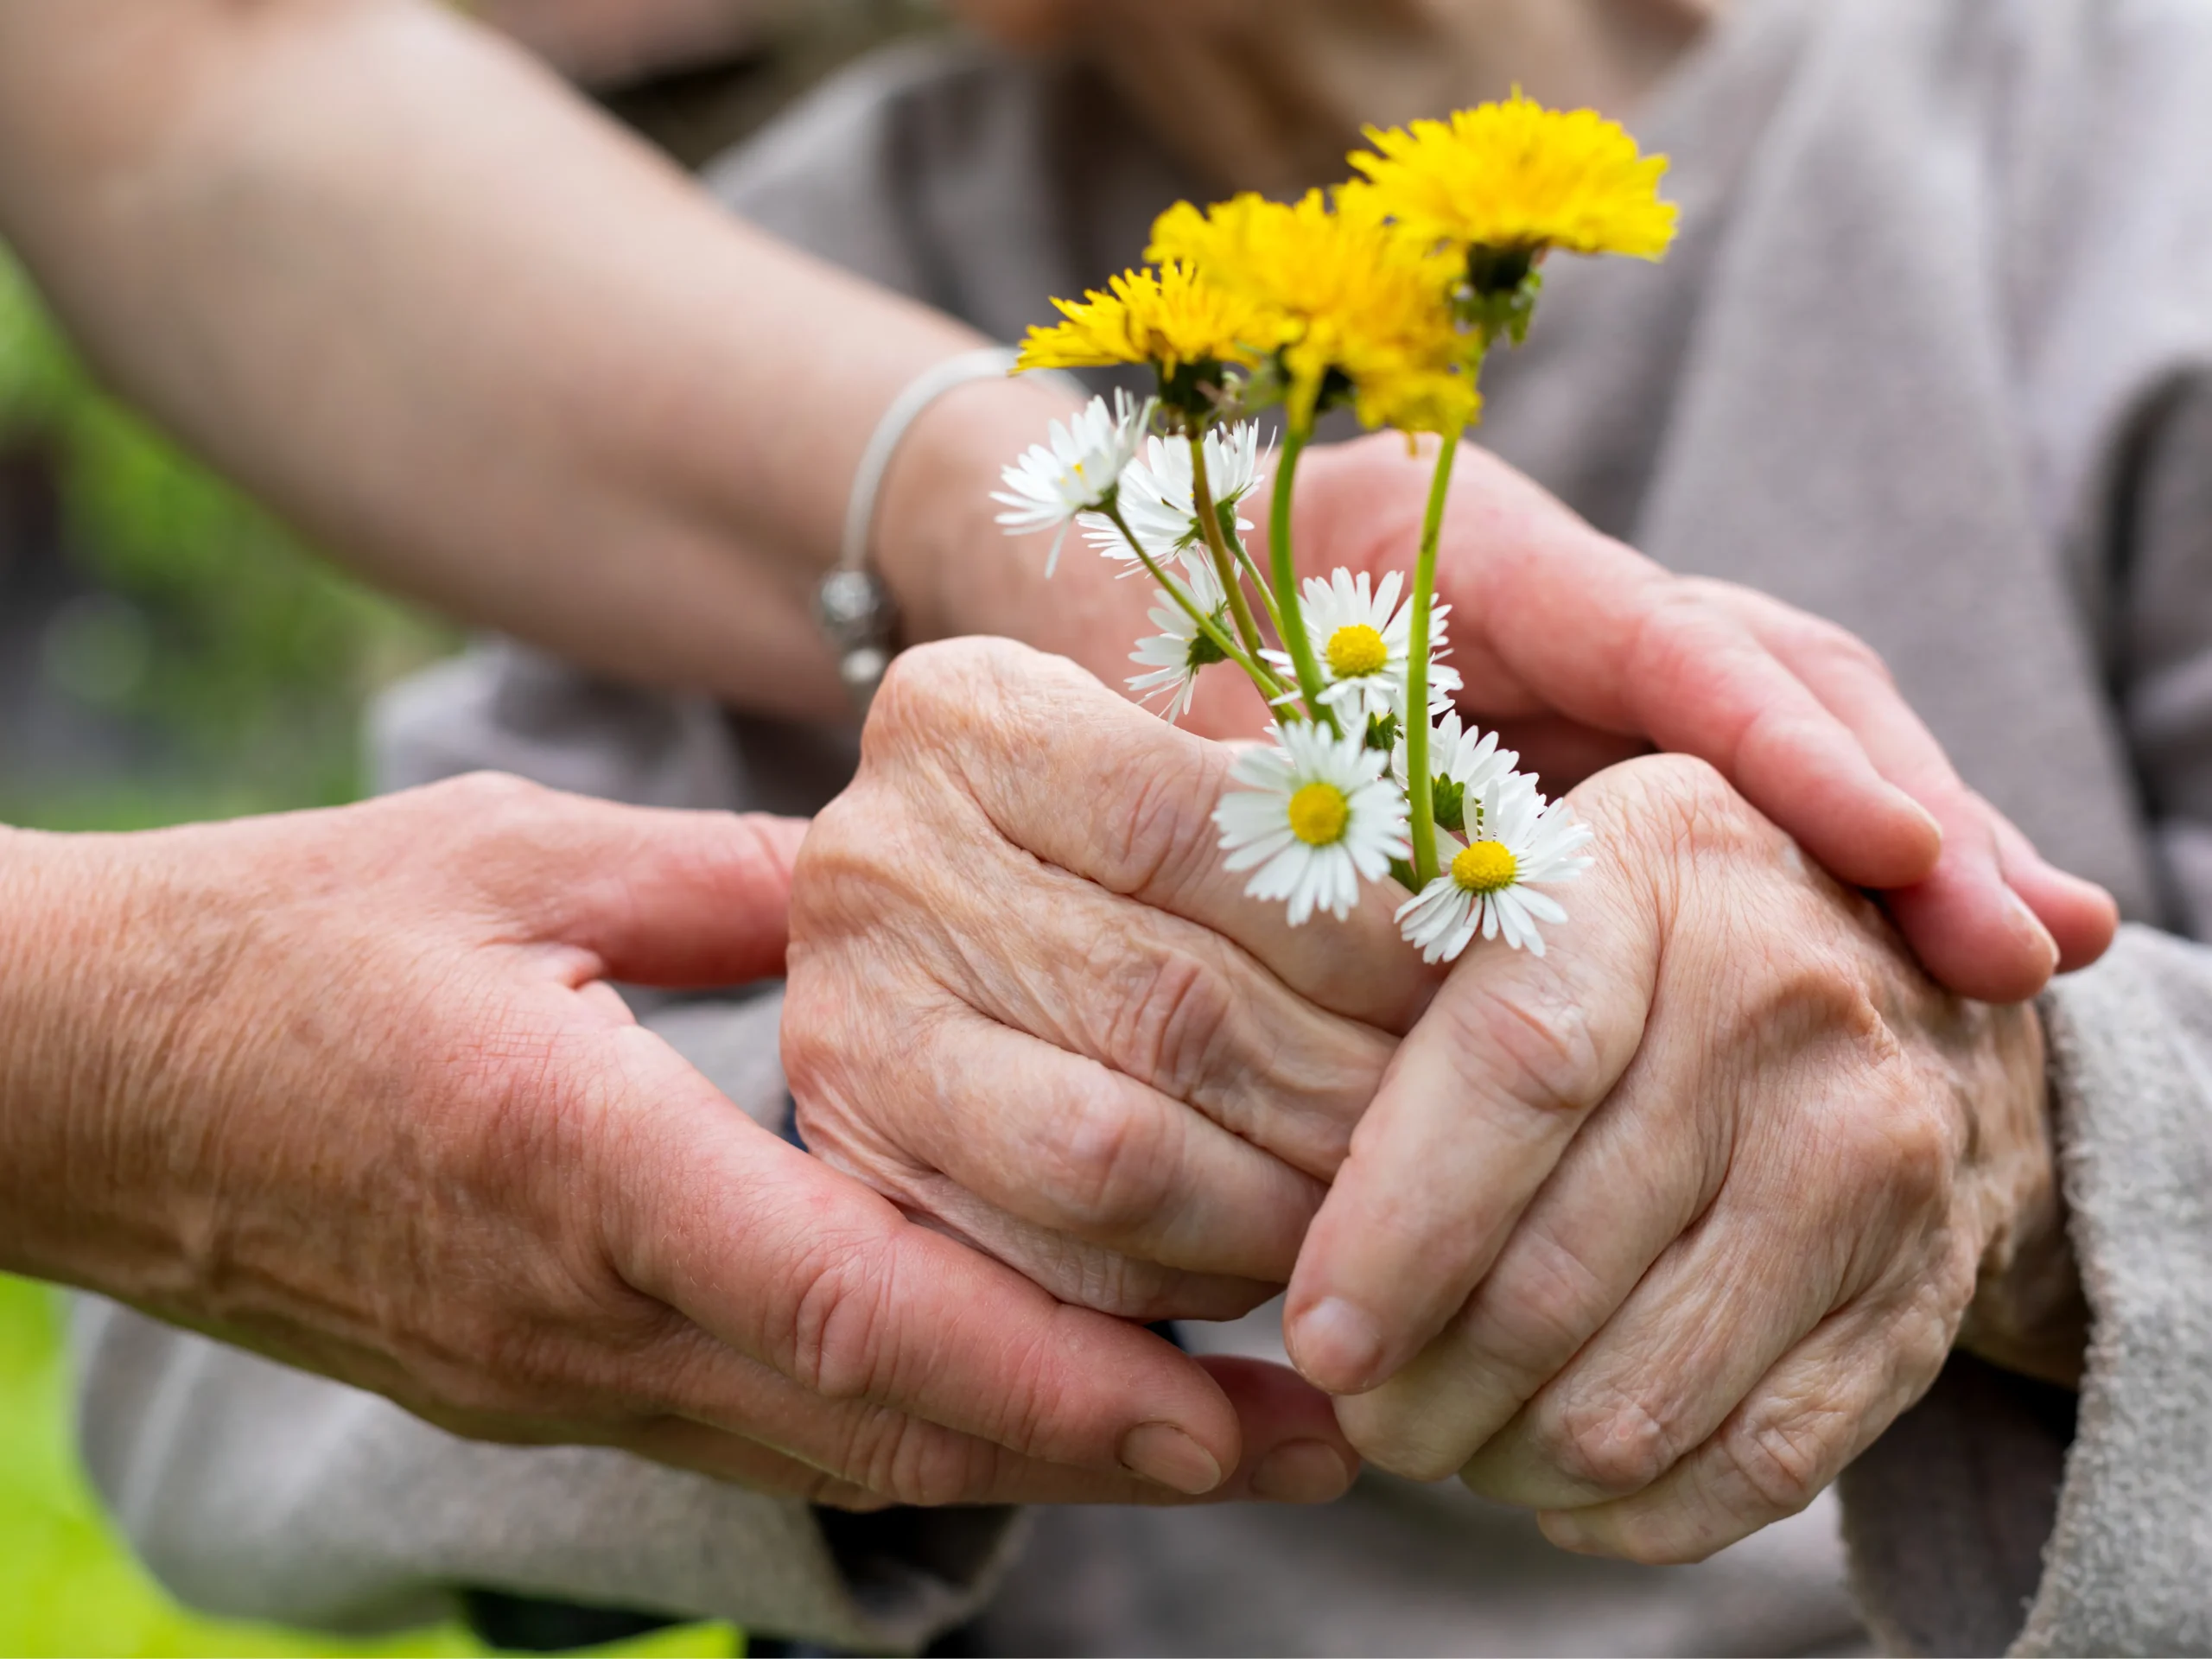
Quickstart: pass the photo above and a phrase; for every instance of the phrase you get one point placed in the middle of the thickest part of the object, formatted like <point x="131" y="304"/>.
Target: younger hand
<point x="351" y="1087"/>
<point x="1587" y="652"/>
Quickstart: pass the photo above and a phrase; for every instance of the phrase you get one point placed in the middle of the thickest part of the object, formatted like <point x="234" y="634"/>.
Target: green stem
<point x="1260" y="586"/>
<point x="1420" y="785"/>
<point x="1209" y="527"/>
<point x="1291" y="622"/>
<point x="1254" y="670"/>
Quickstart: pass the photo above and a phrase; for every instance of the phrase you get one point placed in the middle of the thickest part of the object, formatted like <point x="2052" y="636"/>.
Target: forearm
<point x="86" y="1028"/>
<point x="472" y="338"/>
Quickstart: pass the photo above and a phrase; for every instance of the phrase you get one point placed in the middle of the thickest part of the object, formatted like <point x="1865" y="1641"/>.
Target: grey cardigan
<point x="1932" y="358"/>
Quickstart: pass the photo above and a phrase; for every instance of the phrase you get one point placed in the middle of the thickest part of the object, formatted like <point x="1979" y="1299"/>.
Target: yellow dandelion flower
<point x="1414" y="398"/>
<point x="1516" y="175"/>
<point x="1355" y="295"/>
<point x="1170" y="318"/>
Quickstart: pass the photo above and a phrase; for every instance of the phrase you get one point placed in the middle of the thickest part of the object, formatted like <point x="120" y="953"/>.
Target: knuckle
<point x="833" y="1341"/>
<point x="898" y="1460"/>
<point x="1900" y="1151"/>
<point x="486" y="806"/>
<point x="1923" y="1153"/>
<point x="1166" y="839"/>
<point x="920" y="686"/>
<point x="1109" y="1170"/>
<point x="1702" y="810"/>
<point x="1171" y="1020"/>
<point x="1557" y="1299"/>
<point x="1823" y="644"/>
<point x="1775" y="1461"/>
<point x="1533" y="1035"/>
<point x="1616" y="1447"/>
<point x="478" y="791"/>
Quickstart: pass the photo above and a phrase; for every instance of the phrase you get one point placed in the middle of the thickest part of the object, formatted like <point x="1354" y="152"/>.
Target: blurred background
<point x="169" y="651"/>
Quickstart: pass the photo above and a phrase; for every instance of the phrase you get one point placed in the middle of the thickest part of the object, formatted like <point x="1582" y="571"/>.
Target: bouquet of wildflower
<point x="1384" y="294"/>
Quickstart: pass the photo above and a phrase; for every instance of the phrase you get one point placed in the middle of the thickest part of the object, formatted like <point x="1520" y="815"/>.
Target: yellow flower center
<point x="1318" y="813"/>
<point x="1484" y="867"/>
<point x="1355" y="651"/>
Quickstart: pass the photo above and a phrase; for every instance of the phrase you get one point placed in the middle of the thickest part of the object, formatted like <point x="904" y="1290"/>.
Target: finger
<point x="659" y="897"/>
<point x="1083" y="1153"/>
<point x="2081" y="916"/>
<point x="1712" y="1315"/>
<point x="1155" y="998"/>
<point x="1477" y="1106"/>
<point x="1802" y="1424"/>
<point x="1083" y="780"/>
<point x="1177" y="1008"/>
<point x="1294" y="1454"/>
<point x="1605" y="637"/>
<point x="1966" y="922"/>
<point x="813" y="1275"/>
<point x="1627" y="1187"/>
<point x="1659" y="661"/>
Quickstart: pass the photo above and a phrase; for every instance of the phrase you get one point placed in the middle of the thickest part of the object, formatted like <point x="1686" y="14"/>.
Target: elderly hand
<point x="1026" y="1002"/>
<point x="1656" y="1232"/>
<point x="350" y="1088"/>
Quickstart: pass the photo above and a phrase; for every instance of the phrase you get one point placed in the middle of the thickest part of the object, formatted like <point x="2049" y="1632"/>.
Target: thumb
<point x="665" y="898"/>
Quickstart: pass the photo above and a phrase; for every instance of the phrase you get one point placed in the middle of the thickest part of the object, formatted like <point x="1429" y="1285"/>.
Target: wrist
<point x="88" y="1038"/>
<point x="2029" y="1312"/>
<point x="952" y="569"/>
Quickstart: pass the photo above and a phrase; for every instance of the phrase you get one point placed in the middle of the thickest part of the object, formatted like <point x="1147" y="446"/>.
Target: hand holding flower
<point x="1389" y="296"/>
<point x="1657" y="1234"/>
<point x="1027" y="1001"/>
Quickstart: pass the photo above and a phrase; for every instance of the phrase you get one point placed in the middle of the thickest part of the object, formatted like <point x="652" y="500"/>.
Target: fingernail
<point x="1564" y="1530"/>
<point x="2034" y="923"/>
<point x="1302" y="1472"/>
<point x="1164" y="1454"/>
<point x="1338" y="1346"/>
<point x="1934" y="824"/>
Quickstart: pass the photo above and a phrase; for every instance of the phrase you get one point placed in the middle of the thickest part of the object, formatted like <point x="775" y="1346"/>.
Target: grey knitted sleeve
<point x="1992" y="1514"/>
<point x="1975" y="1526"/>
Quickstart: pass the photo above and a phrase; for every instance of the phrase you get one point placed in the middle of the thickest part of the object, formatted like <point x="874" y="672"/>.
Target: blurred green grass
<point x="68" y="1587"/>
<point x="249" y="664"/>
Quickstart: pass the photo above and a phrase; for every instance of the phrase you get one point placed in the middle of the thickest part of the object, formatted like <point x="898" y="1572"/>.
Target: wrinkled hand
<point x="1585" y="652"/>
<point x="350" y="1088"/>
<point x="1026" y="1002"/>
<point x="1657" y="1232"/>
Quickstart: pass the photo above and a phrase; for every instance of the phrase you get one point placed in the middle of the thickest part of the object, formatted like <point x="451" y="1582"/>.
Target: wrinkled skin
<point x="1026" y="1002"/>
<point x="351" y="1087"/>
<point x="1662" y="1229"/>
<point x="1726" y="1127"/>
<point x="1584" y="652"/>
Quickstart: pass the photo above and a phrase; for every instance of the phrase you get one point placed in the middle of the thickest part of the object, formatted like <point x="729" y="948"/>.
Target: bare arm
<point x="472" y="337"/>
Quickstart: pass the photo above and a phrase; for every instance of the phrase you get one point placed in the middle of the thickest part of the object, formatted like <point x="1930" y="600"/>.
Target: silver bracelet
<point x="854" y="607"/>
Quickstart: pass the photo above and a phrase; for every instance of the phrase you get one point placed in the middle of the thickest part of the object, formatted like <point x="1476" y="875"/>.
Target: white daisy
<point x="1467" y="759"/>
<point x="1362" y="641"/>
<point x="1485" y="887"/>
<point x="1177" y="653"/>
<point x="1319" y="814"/>
<point x="1050" y="487"/>
<point x="1155" y="496"/>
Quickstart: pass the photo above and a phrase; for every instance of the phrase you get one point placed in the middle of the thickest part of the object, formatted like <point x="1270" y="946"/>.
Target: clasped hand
<point x="1653" y="1234"/>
